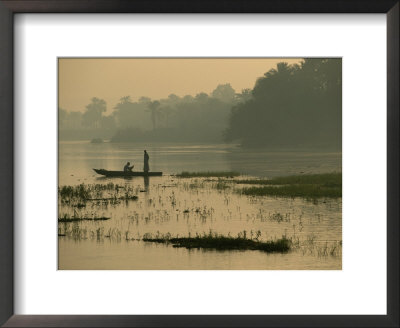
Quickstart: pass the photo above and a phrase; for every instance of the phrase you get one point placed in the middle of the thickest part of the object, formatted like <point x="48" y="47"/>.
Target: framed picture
<point x="163" y="168"/>
<point x="179" y="186"/>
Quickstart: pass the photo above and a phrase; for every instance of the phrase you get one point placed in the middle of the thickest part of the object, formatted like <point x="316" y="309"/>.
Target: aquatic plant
<point x="305" y="191"/>
<point x="220" y="242"/>
<point x="208" y="174"/>
<point x="94" y="192"/>
<point x="333" y="180"/>
<point x="221" y="185"/>
<point x="77" y="219"/>
<point x="70" y="192"/>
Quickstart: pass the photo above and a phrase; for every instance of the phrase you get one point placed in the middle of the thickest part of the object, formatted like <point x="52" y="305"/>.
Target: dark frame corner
<point x="10" y="7"/>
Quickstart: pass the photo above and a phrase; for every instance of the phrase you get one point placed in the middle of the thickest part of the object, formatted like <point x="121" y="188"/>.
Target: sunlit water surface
<point x="183" y="207"/>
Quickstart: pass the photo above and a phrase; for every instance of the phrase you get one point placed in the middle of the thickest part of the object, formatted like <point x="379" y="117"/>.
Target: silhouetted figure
<point x="146" y="167"/>
<point x="128" y="168"/>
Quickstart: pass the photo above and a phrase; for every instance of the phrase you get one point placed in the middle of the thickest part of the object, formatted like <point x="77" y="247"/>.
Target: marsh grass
<point x="220" y="242"/>
<point x="221" y="185"/>
<point x="207" y="174"/>
<point x="326" y="179"/>
<point x="94" y="192"/>
<point x="86" y="201"/>
<point x="320" y="248"/>
<point x="305" y="191"/>
<point x="78" y="219"/>
<point x="308" y="186"/>
<point x="71" y="192"/>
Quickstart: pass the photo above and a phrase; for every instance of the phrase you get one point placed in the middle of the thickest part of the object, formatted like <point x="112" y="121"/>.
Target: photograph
<point x="199" y="163"/>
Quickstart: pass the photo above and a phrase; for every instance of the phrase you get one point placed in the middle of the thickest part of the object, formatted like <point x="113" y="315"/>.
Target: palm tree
<point x="154" y="108"/>
<point x="167" y="111"/>
<point x="93" y="113"/>
<point x="124" y="112"/>
<point x="125" y="99"/>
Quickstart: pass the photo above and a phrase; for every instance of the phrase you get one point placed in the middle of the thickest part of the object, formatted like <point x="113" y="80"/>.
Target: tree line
<point x="199" y="118"/>
<point x="290" y="106"/>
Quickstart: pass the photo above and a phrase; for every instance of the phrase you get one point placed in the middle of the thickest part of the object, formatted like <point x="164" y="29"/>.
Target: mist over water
<point x="78" y="158"/>
<point x="287" y="121"/>
<point x="189" y="206"/>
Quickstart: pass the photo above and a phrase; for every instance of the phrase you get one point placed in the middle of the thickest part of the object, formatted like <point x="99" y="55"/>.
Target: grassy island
<point x="307" y="186"/>
<point x="186" y="174"/>
<point x="219" y="242"/>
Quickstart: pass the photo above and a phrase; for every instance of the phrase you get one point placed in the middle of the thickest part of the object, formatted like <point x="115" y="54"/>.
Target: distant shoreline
<point x="300" y="148"/>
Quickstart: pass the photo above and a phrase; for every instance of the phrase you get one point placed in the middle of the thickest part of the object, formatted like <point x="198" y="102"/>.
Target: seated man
<point x="128" y="168"/>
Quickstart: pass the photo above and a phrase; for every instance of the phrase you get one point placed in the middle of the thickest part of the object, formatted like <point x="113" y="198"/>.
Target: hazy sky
<point x="111" y="79"/>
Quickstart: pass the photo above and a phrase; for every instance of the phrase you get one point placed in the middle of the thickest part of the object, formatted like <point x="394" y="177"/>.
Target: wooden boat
<point x="126" y="174"/>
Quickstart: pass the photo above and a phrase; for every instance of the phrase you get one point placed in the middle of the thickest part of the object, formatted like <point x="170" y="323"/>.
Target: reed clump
<point x="306" y="191"/>
<point x="78" y="219"/>
<point x="94" y="192"/>
<point x="333" y="179"/>
<point x="308" y="186"/>
<point x="220" y="242"/>
<point x="208" y="174"/>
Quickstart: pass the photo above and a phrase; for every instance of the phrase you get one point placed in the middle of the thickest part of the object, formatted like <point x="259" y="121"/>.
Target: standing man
<point x="146" y="167"/>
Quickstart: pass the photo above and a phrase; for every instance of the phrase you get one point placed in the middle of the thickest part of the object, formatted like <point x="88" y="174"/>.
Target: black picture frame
<point x="10" y="7"/>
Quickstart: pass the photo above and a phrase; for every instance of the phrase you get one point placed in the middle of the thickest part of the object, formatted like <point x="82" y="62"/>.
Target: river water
<point x="182" y="207"/>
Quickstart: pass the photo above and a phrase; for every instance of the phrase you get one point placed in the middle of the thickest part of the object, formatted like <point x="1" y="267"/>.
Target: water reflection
<point x="146" y="180"/>
<point x="79" y="159"/>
